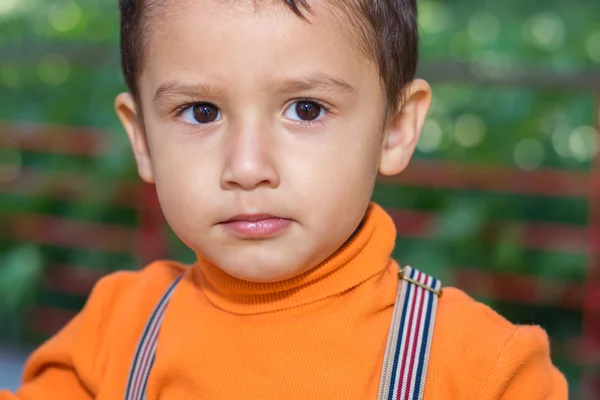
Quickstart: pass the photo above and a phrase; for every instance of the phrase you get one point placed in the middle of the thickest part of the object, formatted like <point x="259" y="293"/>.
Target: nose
<point x="249" y="160"/>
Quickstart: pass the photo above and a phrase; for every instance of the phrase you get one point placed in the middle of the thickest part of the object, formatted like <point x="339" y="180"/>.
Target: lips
<point x="252" y="218"/>
<point x="256" y="226"/>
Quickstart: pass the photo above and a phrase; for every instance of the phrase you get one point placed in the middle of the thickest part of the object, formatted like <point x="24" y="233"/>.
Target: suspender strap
<point x="144" y="356"/>
<point x="409" y="340"/>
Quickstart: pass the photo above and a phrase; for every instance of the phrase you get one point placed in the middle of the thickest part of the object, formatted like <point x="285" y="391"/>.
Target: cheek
<point x="185" y="181"/>
<point x="177" y="158"/>
<point x="343" y="170"/>
<point x="179" y="193"/>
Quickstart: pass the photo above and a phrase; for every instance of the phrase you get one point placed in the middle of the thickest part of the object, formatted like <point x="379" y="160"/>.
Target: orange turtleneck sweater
<point x="320" y="335"/>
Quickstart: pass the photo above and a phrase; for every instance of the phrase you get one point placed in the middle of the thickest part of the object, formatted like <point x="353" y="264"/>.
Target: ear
<point x="404" y="128"/>
<point x="132" y="122"/>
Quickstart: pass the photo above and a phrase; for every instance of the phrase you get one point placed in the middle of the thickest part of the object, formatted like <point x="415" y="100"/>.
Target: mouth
<point x="251" y="218"/>
<point x="256" y="226"/>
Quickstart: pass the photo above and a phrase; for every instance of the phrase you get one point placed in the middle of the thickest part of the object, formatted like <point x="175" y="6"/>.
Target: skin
<point x="259" y="156"/>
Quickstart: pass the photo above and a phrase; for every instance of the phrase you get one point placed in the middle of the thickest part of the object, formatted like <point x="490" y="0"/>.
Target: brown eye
<point x="306" y="111"/>
<point x="205" y="113"/>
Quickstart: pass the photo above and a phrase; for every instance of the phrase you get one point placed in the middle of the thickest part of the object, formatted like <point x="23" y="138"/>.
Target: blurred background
<point x="502" y="199"/>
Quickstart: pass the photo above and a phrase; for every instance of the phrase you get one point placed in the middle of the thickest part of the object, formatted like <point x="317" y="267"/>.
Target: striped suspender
<point x="409" y="340"/>
<point x="406" y="353"/>
<point x="146" y="350"/>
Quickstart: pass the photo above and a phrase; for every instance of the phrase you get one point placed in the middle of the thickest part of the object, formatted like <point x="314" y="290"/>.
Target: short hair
<point x="388" y="29"/>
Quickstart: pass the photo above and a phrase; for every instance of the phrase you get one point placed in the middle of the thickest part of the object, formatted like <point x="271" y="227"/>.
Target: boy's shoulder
<point x="111" y="322"/>
<point x="142" y="287"/>
<point x="467" y="323"/>
<point x="129" y="297"/>
<point x="155" y="277"/>
<point x="472" y="340"/>
<point x="458" y="308"/>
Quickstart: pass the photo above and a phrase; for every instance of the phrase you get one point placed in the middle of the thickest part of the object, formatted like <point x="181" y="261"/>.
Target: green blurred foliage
<point x="21" y="269"/>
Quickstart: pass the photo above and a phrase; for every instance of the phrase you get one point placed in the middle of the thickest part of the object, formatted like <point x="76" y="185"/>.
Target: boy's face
<point x="263" y="132"/>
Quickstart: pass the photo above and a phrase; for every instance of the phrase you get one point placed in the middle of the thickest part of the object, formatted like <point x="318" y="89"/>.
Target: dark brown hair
<point x="388" y="27"/>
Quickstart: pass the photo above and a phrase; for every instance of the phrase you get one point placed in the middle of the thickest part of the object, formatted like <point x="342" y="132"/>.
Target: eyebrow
<point x="184" y="89"/>
<point x="320" y="81"/>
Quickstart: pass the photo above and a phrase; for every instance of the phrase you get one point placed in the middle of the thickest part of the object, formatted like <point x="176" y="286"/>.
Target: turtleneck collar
<point x="366" y="254"/>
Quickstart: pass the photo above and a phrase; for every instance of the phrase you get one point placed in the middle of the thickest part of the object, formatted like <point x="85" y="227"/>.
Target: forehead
<point x="247" y="39"/>
<point x="345" y="12"/>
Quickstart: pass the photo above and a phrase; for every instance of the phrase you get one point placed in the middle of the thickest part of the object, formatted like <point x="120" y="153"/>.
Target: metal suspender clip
<point x="403" y="277"/>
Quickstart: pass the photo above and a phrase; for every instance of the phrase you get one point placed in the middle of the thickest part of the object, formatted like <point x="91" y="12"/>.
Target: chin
<point x="261" y="271"/>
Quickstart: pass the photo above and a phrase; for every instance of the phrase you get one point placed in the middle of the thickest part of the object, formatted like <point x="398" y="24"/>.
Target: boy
<point x="263" y="125"/>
